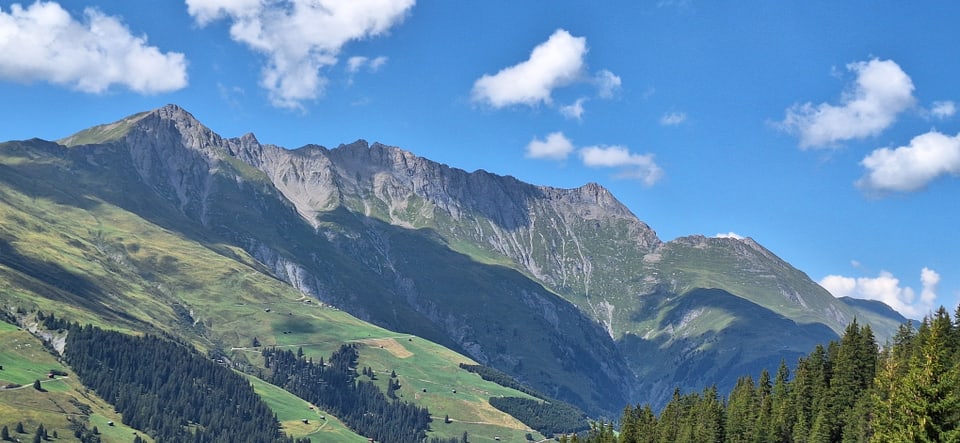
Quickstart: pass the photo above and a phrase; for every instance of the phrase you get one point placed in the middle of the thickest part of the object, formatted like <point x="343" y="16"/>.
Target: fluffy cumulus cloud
<point x="555" y="147"/>
<point x="44" y="42"/>
<point x="673" y="118"/>
<point x="552" y="64"/>
<point x="887" y="288"/>
<point x="300" y="38"/>
<point x="632" y="166"/>
<point x="910" y="168"/>
<point x="881" y="92"/>
<point x="943" y="109"/>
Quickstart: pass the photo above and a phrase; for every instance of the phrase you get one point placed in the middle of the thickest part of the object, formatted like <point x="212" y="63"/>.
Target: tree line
<point x="333" y="386"/>
<point x="545" y="417"/>
<point x="850" y="391"/>
<point x="169" y="391"/>
<point x="503" y="379"/>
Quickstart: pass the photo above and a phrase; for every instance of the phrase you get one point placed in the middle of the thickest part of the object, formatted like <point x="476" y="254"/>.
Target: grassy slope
<point x="24" y="360"/>
<point x="743" y="271"/>
<point x="64" y="251"/>
<point x="291" y="411"/>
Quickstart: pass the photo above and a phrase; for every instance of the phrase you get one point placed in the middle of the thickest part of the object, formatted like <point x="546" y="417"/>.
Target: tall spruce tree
<point x="784" y="414"/>
<point x="742" y="412"/>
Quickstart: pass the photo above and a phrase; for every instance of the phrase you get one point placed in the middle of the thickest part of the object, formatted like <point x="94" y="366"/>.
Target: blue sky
<point x="825" y="130"/>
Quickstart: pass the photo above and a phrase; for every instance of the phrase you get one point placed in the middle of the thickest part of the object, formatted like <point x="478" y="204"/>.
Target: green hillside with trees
<point x="849" y="391"/>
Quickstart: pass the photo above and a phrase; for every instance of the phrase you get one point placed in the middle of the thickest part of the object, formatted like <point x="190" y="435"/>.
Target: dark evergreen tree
<point x="742" y="412"/>
<point x="917" y="395"/>
<point x="763" y="428"/>
<point x="360" y="404"/>
<point x="548" y="418"/>
<point x="784" y="414"/>
<point x="178" y="387"/>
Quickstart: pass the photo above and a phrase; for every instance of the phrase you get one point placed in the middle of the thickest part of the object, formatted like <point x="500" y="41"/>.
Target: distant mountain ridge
<point x="565" y="289"/>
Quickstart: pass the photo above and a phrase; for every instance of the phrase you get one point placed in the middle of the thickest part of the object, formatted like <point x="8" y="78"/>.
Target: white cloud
<point x="886" y="288"/>
<point x="206" y="11"/>
<point x="909" y="168"/>
<point x="554" y="63"/>
<point x="608" y="83"/>
<point x="555" y="147"/>
<point x="42" y="42"/>
<point x="673" y="118"/>
<point x="575" y="110"/>
<point x="354" y="64"/>
<point x="300" y="37"/>
<point x="943" y="109"/>
<point x="881" y="92"/>
<point x="731" y="234"/>
<point x="377" y="62"/>
<point x="632" y="166"/>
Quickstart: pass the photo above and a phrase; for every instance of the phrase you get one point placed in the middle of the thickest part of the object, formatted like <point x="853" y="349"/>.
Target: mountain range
<point x="566" y="290"/>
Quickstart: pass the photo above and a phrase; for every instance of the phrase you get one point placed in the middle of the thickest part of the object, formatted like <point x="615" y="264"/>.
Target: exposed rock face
<point x="565" y="289"/>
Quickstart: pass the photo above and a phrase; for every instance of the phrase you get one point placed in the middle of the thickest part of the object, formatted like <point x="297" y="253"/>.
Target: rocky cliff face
<point x="565" y="289"/>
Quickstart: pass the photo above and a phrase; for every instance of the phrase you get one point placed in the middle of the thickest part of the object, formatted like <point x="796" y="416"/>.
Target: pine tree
<point x="5" y="433"/>
<point x="638" y="425"/>
<point x="918" y="385"/>
<point x="39" y="434"/>
<point x="668" y="426"/>
<point x="784" y="414"/>
<point x="742" y="412"/>
<point x="19" y="428"/>
<point x="708" y="416"/>
<point x="764" y="426"/>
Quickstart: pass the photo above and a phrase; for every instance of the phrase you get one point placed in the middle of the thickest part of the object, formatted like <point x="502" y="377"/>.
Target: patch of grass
<point x="102" y="133"/>
<point x="118" y="432"/>
<point x="291" y="411"/>
<point x="24" y="359"/>
<point x="63" y="399"/>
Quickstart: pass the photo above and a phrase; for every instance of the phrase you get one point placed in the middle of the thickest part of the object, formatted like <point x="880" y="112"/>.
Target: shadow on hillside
<point x="497" y="315"/>
<point x="756" y="339"/>
<point x="53" y="281"/>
